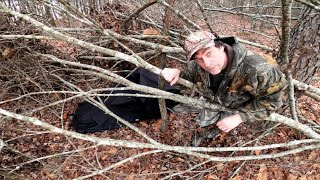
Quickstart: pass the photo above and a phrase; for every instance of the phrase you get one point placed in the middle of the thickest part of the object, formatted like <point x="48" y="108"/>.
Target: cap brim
<point x="201" y="46"/>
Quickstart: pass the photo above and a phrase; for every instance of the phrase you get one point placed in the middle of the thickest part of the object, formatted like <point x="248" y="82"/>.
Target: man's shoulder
<point x="259" y="61"/>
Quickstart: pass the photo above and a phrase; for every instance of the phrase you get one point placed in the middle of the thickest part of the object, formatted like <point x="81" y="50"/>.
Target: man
<point x="227" y="73"/>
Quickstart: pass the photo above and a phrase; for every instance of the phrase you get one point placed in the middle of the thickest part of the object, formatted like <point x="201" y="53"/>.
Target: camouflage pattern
<point x="253" y="86"/>
<point x="196" y="41"/>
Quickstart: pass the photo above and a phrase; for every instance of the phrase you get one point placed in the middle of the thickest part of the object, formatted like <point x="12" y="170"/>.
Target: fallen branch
<point x="1" y="144"/>
<point x="132" y="144"/>
<point x="183" y="17"/>
<point x="118" y="164"/>
<point x="305" y="87"/>
<point x="294" y="124"/>
<point x="255" y="44"/>
<point x="123" y="143"/>
<point x="254" y="157"/>
<point x="254" y="16"/>
<point x="25" y="37"/>
<point x="47" y="157"/>
<point x="311" y="5"/>
<point x="126" y="21"/>
<point x="95" y="48"/>
<point x="103" y="73"/>
<point x="312" y="95"/>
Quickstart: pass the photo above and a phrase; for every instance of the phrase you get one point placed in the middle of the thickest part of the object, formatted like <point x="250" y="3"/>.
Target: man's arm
<point x="267" y="87"/>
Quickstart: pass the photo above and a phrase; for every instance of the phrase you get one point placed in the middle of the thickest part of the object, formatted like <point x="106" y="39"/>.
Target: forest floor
<point x="31" y="142"/>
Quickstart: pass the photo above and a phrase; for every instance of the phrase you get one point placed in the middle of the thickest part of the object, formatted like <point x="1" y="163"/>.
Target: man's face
<point x="213" y="59"/>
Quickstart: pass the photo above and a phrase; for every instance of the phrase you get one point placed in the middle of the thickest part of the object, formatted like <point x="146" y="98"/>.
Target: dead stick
<point x="126" y="22"/>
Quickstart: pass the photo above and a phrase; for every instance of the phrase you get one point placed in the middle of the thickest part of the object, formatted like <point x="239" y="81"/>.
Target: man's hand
<point x="171" y="75"/>
<point x="228" y="123"/>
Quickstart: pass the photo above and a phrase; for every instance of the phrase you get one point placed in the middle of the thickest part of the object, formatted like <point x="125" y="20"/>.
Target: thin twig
<point x="205" y="18"/>
<point x="49" y="156"/>
<point x="25" y="37"/>
<point x="313" y="6"/>
<point x="126" y="21"/>
<point x="1" y="144"/>
<point x="118" y="164"/>
<point x="286" y="22"/>
<point x="254" y="16"/>
<point x="183" y="17"/>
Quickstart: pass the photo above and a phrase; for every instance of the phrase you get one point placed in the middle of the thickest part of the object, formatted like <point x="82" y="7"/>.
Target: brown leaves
<point x="113" y="150"/>
<point x="179" y="133"/>
<point x="257" y="152"/>
<point x="211" y="177"/>
<point x="313" y="155"/>
<point x="9" y="52"/>
<point x="157" y="125"/>
<point x="282" y="134"/>
<point x="108" y="153"/>
<point x="263" y="174"/>
<point x="238" y="177"/>
<point x="219" y="166"/>
<point x="151" y="31"/>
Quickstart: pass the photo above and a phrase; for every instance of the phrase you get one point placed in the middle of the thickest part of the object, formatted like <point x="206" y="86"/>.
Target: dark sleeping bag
<point x="89" y="118"/>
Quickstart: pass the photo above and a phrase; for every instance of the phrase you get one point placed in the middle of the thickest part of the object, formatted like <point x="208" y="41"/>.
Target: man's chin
<point x="215" y="72"/>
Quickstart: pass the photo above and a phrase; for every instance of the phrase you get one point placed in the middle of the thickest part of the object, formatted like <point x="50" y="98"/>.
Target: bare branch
<point x="286" y="22"/>
<point x="205" y="18"/>
<point x="118" y="79"/>
<point x="305" y="87"/>
<point x="255" y="44"/>
<point x="182" y="149"/>
<point x="126" y="22"/>
<point x="141" y="54"/>
<point x="118" y="164"/>
<point x="254" y="16"/>
<point x="95" y="48"/>
<point x="25" y="37"/>
<point x="240" y="40"/>
<point x="294" y="124"/>
<point x="1" y="144"/>
<point x="314" y="6"/>
<point x="254" y="157"/>
<point x="312" y="95"/>
<point x="183" y="17"/>
<point x="50" y="156"/>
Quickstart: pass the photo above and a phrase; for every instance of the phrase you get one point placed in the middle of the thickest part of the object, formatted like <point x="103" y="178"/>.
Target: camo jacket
<point x="252" y="85"/>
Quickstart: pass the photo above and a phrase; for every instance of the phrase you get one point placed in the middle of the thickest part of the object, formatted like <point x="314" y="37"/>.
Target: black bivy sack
<point x="89" y="118"/>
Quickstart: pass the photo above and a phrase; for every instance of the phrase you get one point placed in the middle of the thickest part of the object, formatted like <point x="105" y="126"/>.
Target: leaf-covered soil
<point x="26" y="142"/>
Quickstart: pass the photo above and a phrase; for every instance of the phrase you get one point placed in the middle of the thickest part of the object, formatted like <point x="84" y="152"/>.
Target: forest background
<point x="56" y="53"/>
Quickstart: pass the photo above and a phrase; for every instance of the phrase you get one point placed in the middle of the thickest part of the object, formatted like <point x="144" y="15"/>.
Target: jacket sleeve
<point x="267" y="87"/>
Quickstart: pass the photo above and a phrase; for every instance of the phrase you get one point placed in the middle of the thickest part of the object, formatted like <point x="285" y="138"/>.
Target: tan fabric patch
<point x="274" y="88"/>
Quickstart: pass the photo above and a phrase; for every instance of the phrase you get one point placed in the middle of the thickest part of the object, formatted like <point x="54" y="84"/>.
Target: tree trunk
<point x="304" y="57"/>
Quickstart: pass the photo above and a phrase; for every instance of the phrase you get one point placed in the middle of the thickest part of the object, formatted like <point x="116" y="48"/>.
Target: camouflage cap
<point x="196" y="41"/>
